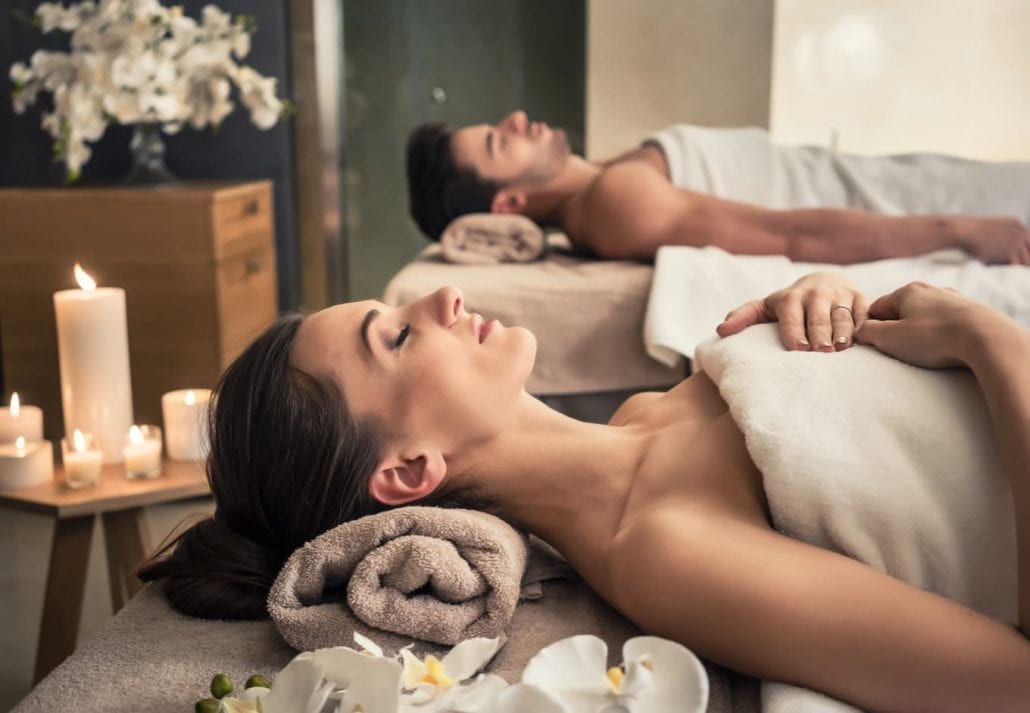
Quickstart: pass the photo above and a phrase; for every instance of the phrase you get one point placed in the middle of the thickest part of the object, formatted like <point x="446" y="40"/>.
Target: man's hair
<point x="439" y="191"/>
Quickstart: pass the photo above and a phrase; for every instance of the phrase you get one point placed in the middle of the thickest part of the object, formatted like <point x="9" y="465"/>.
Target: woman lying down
<point x="663" y="511"/>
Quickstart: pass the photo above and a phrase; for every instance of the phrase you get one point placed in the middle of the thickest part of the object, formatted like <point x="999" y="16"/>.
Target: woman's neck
<point x="553" y="475"/>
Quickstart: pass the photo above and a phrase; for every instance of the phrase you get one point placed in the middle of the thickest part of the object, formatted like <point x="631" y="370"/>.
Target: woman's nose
<point x="446" y="305"/>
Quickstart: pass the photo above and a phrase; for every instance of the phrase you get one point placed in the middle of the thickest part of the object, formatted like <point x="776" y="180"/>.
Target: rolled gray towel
<point x="436" y="574"/>
<point x="484" y="238"/>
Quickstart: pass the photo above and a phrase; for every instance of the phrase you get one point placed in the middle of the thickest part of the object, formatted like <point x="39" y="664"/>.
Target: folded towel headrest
<point x="483" y="238"/>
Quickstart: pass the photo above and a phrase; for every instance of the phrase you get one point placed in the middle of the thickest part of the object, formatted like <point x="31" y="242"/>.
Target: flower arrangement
<point x="138" y="62"/>
<point x="657" y="676"/>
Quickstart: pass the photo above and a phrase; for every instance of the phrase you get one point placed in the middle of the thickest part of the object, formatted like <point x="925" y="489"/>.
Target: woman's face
<point x="426" y="371"/>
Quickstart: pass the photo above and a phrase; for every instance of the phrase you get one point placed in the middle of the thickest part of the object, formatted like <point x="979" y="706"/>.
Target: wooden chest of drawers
<point x="197" y="263"/>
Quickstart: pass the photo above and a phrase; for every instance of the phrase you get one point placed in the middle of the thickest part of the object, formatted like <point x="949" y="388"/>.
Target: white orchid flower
<point x="248" y="702"/>
<point x="370" y="683"/>
<point x="135" y="61"/>
<point x="658" y="676"/>
<point x="435" y="684"/>
<point x="527" y="698"/>
<point x="299" y="688"/>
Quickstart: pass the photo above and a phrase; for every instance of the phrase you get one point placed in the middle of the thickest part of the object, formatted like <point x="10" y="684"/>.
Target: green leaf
<point x="72" y="177"/>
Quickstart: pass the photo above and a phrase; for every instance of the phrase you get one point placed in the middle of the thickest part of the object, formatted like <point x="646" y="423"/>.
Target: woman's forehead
<point x="330" y="331"/>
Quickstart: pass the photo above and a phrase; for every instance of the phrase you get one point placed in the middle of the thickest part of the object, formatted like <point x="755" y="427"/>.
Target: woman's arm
<point x="932" y="327"/>
<point x="762" y="603"/>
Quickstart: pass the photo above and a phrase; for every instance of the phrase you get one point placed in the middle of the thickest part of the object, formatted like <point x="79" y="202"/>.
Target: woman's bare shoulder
<point x="632" y="407"/>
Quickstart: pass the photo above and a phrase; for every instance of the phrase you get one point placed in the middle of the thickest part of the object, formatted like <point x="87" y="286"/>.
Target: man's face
<point x="512" y="152"/>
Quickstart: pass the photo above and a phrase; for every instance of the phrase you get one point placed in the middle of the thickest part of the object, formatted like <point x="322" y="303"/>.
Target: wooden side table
<point x="119" y="502"/>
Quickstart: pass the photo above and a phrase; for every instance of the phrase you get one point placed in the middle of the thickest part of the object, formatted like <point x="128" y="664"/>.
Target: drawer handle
<point x="250" y="207"/>
<point x="252" y="265"/>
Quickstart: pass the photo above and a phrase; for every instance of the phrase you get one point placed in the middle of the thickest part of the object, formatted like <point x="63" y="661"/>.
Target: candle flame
<point x="136" y="436"/>
<point x="79" y="441"/>
<point x="15" y="404"/>
<point x="20" y="443"/>
<point x="190" y="398"/>
<point x="86" y="282"/>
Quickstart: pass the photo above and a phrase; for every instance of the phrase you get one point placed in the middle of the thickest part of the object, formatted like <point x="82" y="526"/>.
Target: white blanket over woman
<point x="884" y="462"/>
<point x="744" y="165"/>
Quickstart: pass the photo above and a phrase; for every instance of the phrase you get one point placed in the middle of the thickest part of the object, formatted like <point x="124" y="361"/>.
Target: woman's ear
<point x="400" y="480"/>
<point x="508" y="200"/>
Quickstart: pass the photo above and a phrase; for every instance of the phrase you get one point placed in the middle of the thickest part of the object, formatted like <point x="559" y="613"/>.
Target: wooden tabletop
<point x="178" y="480"/>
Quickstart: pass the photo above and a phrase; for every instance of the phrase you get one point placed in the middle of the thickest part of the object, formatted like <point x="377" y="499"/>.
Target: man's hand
<point x="996" y="240"/>
<point x="819" y="312"/>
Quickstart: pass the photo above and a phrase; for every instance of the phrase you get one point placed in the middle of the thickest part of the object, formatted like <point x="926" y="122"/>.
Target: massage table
<point x="151" y="658"/>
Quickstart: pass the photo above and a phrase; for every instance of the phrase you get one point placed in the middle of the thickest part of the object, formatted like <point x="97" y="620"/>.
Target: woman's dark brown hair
<point x="288" y="461"/>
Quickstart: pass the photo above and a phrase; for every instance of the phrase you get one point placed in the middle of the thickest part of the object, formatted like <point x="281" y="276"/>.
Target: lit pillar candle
<point x="185" y="417"/>
<point x="24" y="464"/>
<point x="20" y="420"/>
<point x="93" y="349"/>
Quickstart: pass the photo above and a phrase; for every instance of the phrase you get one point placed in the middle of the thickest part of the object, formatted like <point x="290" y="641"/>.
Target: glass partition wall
<point x="406" y="62"/>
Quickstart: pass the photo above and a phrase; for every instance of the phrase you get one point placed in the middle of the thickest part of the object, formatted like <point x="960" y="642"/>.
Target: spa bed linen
<point x="694" y="288"/>
<point x="151" y="659"/>
<point x="587" y="315"/>
<point x="743" y="164"/>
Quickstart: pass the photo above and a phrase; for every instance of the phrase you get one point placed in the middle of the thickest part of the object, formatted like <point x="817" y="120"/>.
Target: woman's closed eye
<point x="402" y="336"/>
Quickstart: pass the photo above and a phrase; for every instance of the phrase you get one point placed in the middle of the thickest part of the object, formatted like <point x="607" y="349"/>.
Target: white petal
<point x="367" y="644"/>
<point x="680" y="683"/>
<point x="526" y="698"/>
<point x="575" y="663"/>
<point x="414" y="669"/>
<point x="254" y="693"/>
<point x="474" y="697"/>
<point x="371" y="682"/>
<point x="235" y="705"/>
<point x="298" y="688"/>
<point x="465" y="659"/>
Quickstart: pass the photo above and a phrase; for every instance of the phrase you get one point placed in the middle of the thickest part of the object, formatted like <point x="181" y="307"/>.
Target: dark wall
<point x="238" y="150"/>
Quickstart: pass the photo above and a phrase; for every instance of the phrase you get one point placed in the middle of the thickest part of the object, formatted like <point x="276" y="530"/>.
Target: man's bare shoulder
<point x="648" y="154"/>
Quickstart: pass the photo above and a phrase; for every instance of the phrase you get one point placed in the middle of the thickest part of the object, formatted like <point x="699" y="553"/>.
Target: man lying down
<point x="888" y="565"/>
<point x="729" y="188"/>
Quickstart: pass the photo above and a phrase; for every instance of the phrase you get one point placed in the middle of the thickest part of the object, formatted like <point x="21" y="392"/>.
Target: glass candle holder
<point x="142" y="452"/>
<point x="82" y="460"/>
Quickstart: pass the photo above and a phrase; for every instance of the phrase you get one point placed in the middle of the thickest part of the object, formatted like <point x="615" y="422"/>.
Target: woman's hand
<point x="818" y="312"/>
<point x="929" y="326"/>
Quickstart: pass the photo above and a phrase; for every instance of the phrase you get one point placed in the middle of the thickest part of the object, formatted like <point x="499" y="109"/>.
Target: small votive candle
<point x="185" y="417"/>
<point x="20" y="420"/>
<point x="82" y="460"/>
<point x="24" y="464"/>
<point x="142" y="452"/>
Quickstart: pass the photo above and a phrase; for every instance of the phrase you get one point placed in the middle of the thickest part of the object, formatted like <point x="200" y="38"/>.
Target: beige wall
<point x="652" y="63"/>
<point x="921" y="75"/>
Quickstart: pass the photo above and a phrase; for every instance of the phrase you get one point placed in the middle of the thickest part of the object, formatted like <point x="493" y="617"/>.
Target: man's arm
<point x="632" y="211"/>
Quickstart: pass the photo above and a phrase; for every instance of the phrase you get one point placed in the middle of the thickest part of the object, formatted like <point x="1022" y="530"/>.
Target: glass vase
<point x="148" y="158"/>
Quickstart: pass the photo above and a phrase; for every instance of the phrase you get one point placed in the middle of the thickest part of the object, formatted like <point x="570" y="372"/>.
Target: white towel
<point x="743" y="164"/>
<point x="694" y="288"/>
<point x="887" y="463"/>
